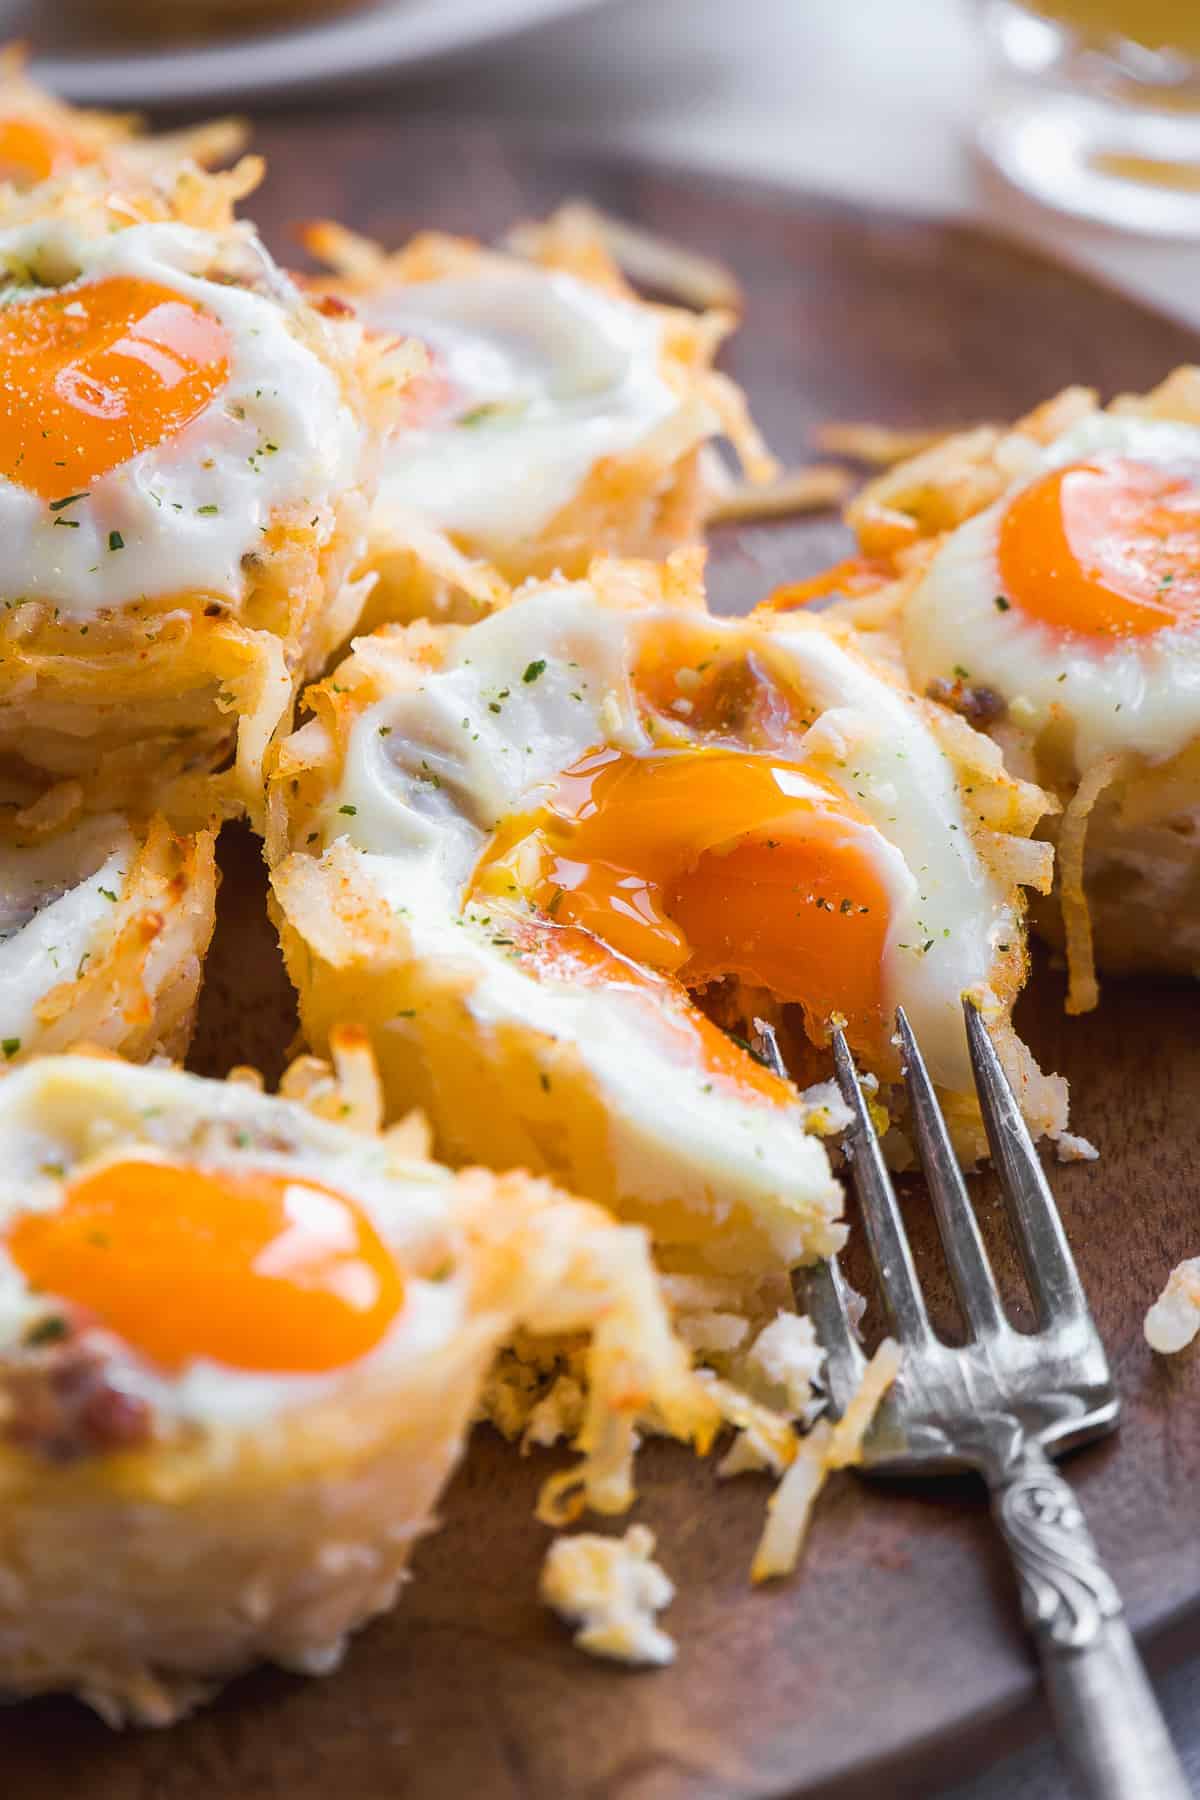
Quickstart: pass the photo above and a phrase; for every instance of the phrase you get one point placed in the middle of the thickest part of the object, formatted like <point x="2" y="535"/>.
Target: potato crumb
<point x="1070" y="1148"/>
<point x="611" y="1589"/>
<point x="826" y="1447"/>
<point x="786" y="1353"/>
<point x="1174" y="1319"/>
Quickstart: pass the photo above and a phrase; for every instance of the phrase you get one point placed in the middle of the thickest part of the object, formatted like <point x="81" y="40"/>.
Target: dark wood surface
<point x="895" y="1660"/>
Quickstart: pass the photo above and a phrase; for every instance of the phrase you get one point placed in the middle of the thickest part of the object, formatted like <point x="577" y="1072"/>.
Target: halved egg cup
<point x="204" y="1463"/>
<point x="641" y="485"/>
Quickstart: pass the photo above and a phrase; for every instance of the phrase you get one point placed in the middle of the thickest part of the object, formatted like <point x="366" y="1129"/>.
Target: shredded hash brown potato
<point x="70" y="137"/>
<point x="827" y="1447"/>
<point x="811" y="489"/>
<point x="610" y="1589"/>
<point x="881" y="446"/>
<point x="646" y="258"/>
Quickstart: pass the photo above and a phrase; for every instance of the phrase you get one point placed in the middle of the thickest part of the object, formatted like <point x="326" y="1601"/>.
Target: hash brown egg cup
<point x="187" y="459"/>
<point x="562" y="416"/>
<point x="241" y="1341"/>
<point x="1045" y="580"/>
<point x="104" y="926"/>
<point x="514" y="851"/>
<point x="43" y="139"/>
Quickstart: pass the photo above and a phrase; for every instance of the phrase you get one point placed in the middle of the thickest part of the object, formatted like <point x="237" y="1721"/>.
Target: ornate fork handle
<point x="1111" y="1728"/>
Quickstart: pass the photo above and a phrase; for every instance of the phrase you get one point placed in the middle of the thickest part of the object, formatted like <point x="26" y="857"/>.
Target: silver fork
<point x="1002" y="1405"/>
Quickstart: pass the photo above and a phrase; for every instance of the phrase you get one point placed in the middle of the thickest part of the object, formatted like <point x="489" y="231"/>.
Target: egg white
<point x="186" y="510"/>
<point x="58" y="1114"/>
<point x="432" y="769"/>
<point x="57" y="905"/>
<point x="549" y="376"/>
<point x="1131" y="694"/>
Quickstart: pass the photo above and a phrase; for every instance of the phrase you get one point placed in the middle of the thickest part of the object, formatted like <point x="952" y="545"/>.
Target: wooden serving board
<point x="896" y="1658"/>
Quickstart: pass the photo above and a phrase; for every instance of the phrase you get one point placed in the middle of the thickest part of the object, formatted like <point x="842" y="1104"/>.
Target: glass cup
<point x="1096" y="108"/>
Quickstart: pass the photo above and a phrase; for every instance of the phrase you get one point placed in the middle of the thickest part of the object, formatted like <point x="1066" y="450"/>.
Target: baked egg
<point x="520" y="851"/>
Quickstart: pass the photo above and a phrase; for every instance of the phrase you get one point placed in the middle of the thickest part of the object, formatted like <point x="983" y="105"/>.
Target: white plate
<point x="390" y="35"/>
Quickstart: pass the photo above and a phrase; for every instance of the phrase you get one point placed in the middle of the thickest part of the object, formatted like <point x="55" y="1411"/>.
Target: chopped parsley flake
<point x="349" y="810"/>
<point x="534" y="669"/>
<point x="10" y="1047"/>
<point x="115" y="541"/>
<point x="50" y="1330"/>
<point x="68" y="500"/>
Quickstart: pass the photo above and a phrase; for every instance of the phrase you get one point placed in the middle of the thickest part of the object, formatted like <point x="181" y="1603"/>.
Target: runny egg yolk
<point x="93" y="374"/>
<point x="710" y="862"/>
<point x="253" y="1269"/>
<point x="1108" y="548"/>
<point x="31" y="152"/>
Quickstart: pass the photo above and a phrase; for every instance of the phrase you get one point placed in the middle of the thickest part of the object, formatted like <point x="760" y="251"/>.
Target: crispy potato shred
<point x="827" y="1447"/>
<point x="1083" y="992"/>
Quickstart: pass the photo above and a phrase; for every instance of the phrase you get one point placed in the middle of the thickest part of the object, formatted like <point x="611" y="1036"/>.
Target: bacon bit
<point x="57" y="1401"/>
<point x="150" y="925"/>
<point x="980" y="706"/>
<point x="852" y="576"/>
<point x="333" y="306"/>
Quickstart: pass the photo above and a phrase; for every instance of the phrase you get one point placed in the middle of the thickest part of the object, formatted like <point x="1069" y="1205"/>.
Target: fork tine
<point x="1045" y="1254"/>
<point x="966" y="1257"/>
<point x="826" y="1302"/>
<point x="886" y="1237"/>
<point x="820" y="1289"/>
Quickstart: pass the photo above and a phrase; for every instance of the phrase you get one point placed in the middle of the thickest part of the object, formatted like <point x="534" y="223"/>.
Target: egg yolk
<point x="255" y="1270"/>
<point x="711" y="862"/>
<point x="31" y="152"/>
<point x="666" y="1014"/>
<point x="1109" y="548"/>
<point x="93" y="374"/>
